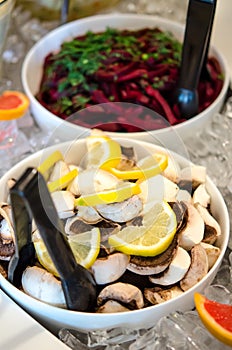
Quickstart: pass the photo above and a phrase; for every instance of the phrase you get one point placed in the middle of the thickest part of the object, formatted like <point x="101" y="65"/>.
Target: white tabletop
<point x="19" y="331"/>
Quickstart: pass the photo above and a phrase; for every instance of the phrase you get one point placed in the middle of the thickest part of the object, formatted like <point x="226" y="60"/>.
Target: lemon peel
<point x="85" y="247"/>
<point x="46" y="165"/>
<point x="147" y="167"/>
<point x="63" y="181"/>
<point x="124" y="191"/>
<point x="150" y="239"/>
<point x="103" y="152"/>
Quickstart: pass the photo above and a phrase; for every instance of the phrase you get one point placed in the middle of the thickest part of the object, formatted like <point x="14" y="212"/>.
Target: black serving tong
<point x="198" y="29"/>
<point x="64" y="11"/>
<point x="30" y="198"/>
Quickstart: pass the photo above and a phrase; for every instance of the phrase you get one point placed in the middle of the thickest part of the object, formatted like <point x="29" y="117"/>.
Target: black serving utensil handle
<point x="198" y="25"/>
<point x="77" y="282"/>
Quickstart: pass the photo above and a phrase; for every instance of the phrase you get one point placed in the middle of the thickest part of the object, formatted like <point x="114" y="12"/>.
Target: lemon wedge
<point x="85" y="247"/>
<point x="63" y="181"/>
<point x="103" y="152"/>
<point x="146" y="167"/>
<point x="120" y="193"/>
<point x="151" y="238"/>
<point x="46" y="165"/>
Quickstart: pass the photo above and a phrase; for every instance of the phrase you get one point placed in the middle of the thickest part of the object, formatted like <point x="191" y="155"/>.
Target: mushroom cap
<point x="124" y="293"/>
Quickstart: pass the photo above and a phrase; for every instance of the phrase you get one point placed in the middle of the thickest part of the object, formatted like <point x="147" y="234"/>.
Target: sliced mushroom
<point x="75" y="225"/>
<point x="88" y="214"/>
<point x="158" y="295"/>
<point x="176" y="270"/>
<point x="109" y="269"/>
<point x="64" y="203"/>
<point x="125" y="293"/>
<point x="212" y="252"/>
<point x="211" y="224"/>
<point x="158" y="188"/>
<point x="6" y="225"/>
<point x="198" y="268"/>
<point x="194" y="173"/>
<point x="112" y="306"/>
<point x="181" y="211"/>
<point x="153" y="265"/>
<point x="193" y="232"/>
<point x="6" y="250"/>
<point x="42" y="285"/>
<point x="92" y="181"/>
<point x="172" y="172"/>
<point x="122" y="211"/>
<point x="201" y="196"/>
<point x="60" y="169"/>
<point x="184" y="196"/>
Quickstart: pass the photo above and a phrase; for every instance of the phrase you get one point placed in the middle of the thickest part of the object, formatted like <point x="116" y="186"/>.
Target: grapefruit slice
<point x="13" y="105"/>
<point x="216" y="317"/>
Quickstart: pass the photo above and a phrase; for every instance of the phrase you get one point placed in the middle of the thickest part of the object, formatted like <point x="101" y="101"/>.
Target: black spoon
<point x="30" y="198"/>
<point x="196" y="41"/>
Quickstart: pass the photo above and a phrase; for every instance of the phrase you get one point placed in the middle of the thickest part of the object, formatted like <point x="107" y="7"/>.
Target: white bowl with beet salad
<point x="117" y="73"/>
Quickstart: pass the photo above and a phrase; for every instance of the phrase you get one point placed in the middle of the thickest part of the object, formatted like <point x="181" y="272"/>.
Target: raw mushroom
<point x="198" y="268"/>
<point x="112" y="306"/>
<point x="7" y="248"/>
<point x="6" y="226"/>
<point x="88" y="214"/>
<point x="172" y="172"/>
<point x="158" y="295"/>
<point x="158" y="188"/>
<point x="59" y="169"/>
<point x="109" y="269"/>
<point x="210" y="222"/>
<point x="64" y="203"/>
<point x="153" y="265"/>
<point x="125" y="293"/>
<point x="122" y="211"/>
<point x="92" y="181"/>
<point x="212" y="252"/>
<point x="194" y="173"/>
<point x="176" y="270"/>
<point x="42" y="285"/>
<point x="201" y="196"/>
<point x="193" y="232"/>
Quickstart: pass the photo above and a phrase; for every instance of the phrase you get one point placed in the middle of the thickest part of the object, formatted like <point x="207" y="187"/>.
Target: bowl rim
<point x="103" y="17"/>
<point x="62" y="313"/>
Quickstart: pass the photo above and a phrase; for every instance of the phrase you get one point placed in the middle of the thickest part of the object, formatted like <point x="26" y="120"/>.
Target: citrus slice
<point x="13" y="105"/>
<point x="216" y="317"/>
<point x="85" y="247"/>
<point x="63" y="181"/>
<point x="46" y="165"/>
<point x="103" y="152"/>
<point x="146" y="167"/>
<point x="120" y="193"/>
<point x="151" y="238"/>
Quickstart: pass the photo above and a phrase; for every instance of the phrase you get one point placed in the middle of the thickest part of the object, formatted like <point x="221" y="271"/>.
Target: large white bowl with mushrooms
<point x="203" y="259"/>
<point x="69" y="128"/>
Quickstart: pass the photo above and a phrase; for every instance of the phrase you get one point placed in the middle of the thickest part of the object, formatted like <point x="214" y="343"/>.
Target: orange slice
<point x="217" y="317"/>
<point x="13" y="104"/>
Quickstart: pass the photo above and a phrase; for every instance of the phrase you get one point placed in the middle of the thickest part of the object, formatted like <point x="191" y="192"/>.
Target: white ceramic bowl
<point x="54" y="318"/>
<point x="32" y="71"/>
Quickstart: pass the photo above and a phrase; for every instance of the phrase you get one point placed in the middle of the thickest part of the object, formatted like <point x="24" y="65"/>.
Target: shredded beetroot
<point x="132" y="73"/>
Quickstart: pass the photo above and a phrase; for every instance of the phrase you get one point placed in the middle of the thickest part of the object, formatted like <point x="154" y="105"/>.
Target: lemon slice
<point x="44" y="167"/>
<point x="150" y="239"/>
<point x="120" y="193"/>
<point x="63" y="181"/>
<point x="85" y="247"/>
<point x="146" y="167"/>
<point x="103" y="152"/>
